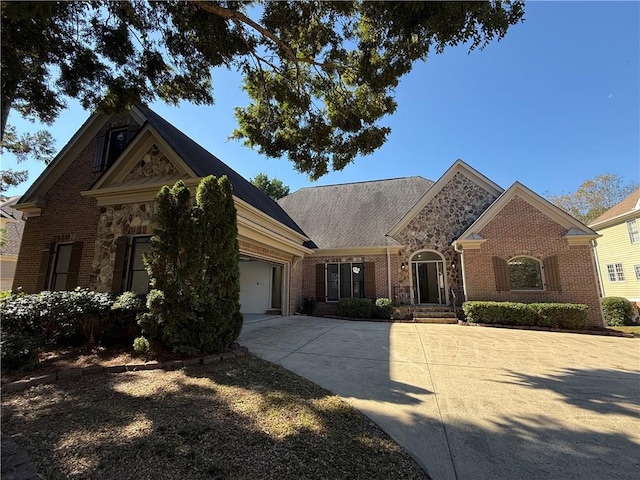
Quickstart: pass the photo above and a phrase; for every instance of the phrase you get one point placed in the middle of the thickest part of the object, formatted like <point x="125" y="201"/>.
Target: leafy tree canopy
<point x="320" y="75"/>
<point x="594" y="196"/>
<point x="272" y="187"/>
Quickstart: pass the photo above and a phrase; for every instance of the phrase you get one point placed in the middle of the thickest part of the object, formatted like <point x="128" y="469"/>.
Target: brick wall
<point x="65" y="217"/>
<point x="308" y="278"/>
<point x="520" y="229"/>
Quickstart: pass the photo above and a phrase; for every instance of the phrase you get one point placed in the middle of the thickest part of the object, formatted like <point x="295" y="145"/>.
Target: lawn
<point x="635" y="329"/>
<point x="239" y="419"/>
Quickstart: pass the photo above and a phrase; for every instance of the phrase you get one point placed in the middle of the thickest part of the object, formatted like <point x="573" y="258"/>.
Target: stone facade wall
<point x="153" y="164"/>
<point x="66" y="216"/>
<point x="451" y="211"/>
<point x="520" y="229"/>
<point x="116" y="221"/>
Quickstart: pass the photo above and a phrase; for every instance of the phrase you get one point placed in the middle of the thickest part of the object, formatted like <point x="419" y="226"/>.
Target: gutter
<point x="389" y="273"/>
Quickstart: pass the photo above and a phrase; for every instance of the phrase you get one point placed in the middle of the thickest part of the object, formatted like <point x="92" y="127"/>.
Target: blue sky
<point x="554" y="103"/>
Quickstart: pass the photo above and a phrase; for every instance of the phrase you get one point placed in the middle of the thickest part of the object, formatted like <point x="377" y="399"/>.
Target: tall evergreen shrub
<point x="194" y="306"/>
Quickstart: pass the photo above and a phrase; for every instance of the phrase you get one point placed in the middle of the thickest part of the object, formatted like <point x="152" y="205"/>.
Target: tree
<point x="319" y="75"/>
<point x="594" y="196"/>
<point x="39" y="146"/>
<point x="193" y="265"/>
<point x="272" y="187"/>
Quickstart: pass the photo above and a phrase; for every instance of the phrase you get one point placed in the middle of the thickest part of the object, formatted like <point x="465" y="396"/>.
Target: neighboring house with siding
<point x="416" y="241"/>
<point x="619" y="248"/>
<point x="11" y="225"/>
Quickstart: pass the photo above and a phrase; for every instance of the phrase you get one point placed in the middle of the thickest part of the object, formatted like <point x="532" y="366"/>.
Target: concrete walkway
<point x="472" y="402"/>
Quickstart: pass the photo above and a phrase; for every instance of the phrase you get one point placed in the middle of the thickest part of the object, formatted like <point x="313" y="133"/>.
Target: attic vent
<point x="110" y="144"/>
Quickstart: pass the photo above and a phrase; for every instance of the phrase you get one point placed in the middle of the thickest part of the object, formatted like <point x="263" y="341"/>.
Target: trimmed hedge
<point x="355" y="307"/>
<point x="554" y="315"/>
<point x="618" y="311"/>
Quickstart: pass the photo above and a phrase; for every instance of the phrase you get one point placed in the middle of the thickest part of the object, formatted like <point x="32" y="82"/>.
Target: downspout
<point x="598" y="274"/>
<point x="389" y="273"/>
<point x="464" y="272"/>
<point x="596" y="261"/>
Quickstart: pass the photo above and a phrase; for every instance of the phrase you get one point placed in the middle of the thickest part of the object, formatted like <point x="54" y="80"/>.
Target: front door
<point x="428" y="279"/>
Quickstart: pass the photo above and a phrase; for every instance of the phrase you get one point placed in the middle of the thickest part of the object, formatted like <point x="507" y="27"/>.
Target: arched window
<point x="525" y="274"/>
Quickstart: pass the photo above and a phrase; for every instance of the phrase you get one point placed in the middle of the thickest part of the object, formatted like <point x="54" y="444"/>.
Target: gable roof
<point x="458" y="167"/>
<point x="203" y="163"/>
<point x="354" y="214"/>
<point x="198" y="159"/>
<point x="577" y="232"/>
<point x="619" y="211"/>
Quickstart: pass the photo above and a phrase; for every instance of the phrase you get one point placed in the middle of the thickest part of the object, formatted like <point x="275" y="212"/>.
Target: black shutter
<point x="552" y="274"/>
<point x="370" y="280"/>
<point x="43" y="271"/>
<point x="501" y="272"/>
<point x="320" y="283"/>
<point x="99" y="154"/>
<point x="74" y="266"/>
<point x="119" y="265"/>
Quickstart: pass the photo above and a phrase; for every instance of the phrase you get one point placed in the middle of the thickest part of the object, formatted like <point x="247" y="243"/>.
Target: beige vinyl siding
<point x="615" y="247"/>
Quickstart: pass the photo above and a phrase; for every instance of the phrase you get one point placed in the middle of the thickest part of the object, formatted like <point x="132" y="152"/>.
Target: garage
<point x="261" y="286"/>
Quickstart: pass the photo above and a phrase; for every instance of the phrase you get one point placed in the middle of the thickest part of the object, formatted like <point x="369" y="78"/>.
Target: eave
<point x="356" y="251"/>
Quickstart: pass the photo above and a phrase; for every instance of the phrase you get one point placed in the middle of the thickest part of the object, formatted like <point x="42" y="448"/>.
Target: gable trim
<point x="577" y="232"/>
<point x="458" y="166"/>
<point x="31" y="201"/>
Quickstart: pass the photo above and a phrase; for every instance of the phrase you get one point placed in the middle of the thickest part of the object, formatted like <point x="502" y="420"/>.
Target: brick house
<point x="410" y="239"/>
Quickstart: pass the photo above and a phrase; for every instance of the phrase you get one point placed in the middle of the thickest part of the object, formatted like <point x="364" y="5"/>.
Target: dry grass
<point x="243" y="419"/>
<point x="635" y="329"/>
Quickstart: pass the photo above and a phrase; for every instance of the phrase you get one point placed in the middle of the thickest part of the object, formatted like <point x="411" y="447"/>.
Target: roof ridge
<point x="363" y="181"/>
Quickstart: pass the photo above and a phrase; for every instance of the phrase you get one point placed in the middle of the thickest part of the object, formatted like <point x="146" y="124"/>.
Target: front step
<point x="440" y="320"/>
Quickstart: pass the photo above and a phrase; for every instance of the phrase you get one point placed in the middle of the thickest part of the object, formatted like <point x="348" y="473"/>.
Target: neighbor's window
<point x="345" y="280"/>
<point x="616" y="272"/>
<point x="61" y="265"/>
<point x="634" y="233"/>
<point x="525" y="274"/>
<point x="637" y="269"/>
<point x="138" y="277"/>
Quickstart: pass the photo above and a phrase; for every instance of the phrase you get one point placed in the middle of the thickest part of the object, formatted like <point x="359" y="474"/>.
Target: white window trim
<point x="636" y="268"/>
<point x="634" y="236"/>
<point x="618" y="274"/>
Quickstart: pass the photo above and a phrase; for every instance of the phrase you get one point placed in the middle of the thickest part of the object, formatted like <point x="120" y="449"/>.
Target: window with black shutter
<point x="110" y="144"/>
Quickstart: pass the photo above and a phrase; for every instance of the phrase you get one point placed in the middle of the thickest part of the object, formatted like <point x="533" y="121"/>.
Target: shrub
<point x="355" y="307"/>
<point x="504" y="313"/>
<point x="308" y="305"/>
<point x="561" y="315"/>
<point x="556" y="315"/>
<point x="31" y="322"/>
<point x="384" y="309"/>
<point x="617" y="311"/>
<point x="141" y="345"/>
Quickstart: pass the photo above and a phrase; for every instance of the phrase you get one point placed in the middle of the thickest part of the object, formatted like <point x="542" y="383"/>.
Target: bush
<point x="555" y="315"/>
<point x="308" y="305"/>
<point x="618" y="311"/>
<point x="561" y="315"/>
<point x="31" y="322"/>
<point x="384" y="309"/>
<point x="141" y="345"/>
<point x="355" y="307"/>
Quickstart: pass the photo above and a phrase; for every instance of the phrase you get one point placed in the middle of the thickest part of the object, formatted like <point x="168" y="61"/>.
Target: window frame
<point x="636" y="269"/>
<point x="615" y="274"/>
<point x="339" y="282"/>
<point x="54" y="274"/>
<point x="131" y="261"/>
<point x="540" y="265"/>
<point x="634" y="232"/>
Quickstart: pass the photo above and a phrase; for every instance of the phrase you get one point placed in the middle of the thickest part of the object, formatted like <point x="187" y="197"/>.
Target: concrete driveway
<point x="476" y="403"/>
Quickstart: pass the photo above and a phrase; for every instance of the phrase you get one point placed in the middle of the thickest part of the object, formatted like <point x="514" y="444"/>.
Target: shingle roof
<point x="354" y="214"/>
<point x="625" y="206"/>
<point x="14" y="228"/>
<point x="204" y="163"/>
